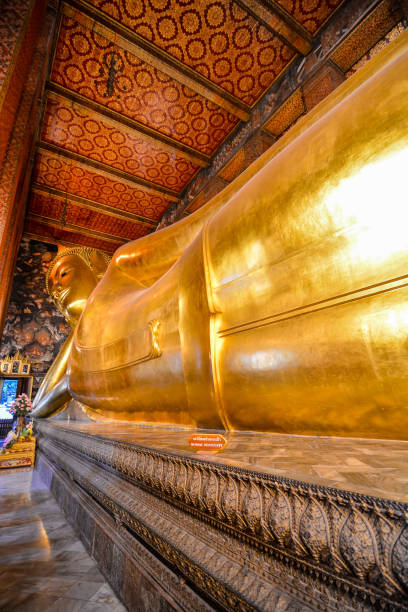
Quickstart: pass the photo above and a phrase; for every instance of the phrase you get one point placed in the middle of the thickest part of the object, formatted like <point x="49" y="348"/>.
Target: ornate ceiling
<point x="140" y="96"/>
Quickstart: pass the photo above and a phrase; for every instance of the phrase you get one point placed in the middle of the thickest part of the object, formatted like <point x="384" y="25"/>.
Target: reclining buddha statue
<point x="280" y="306"/>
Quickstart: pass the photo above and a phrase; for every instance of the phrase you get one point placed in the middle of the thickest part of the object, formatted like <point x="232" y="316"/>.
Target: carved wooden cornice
<point x="354" y="542"/>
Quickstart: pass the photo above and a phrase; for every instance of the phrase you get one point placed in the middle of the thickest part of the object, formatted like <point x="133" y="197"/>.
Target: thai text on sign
<point x="208" y="442"/>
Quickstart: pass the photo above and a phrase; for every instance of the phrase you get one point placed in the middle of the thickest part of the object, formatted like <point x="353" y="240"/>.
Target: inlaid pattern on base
<point x="344" y="545"/>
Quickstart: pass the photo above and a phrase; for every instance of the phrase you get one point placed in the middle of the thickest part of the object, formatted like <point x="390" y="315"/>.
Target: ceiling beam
<point x="51" y="58"/>
<point x="77" y="229"/>
<point x="91" y="205"/>
<point x="161" y="60"/>
<point x="51" y="240"/>
<point x="278" y="21"/>
<point x="65" y="97"/>
<point x="172" y="196"/>
<point x="196" y="157"/>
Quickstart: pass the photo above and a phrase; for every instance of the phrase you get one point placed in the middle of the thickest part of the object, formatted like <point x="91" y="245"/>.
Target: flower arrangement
<point x="21" y="407"/>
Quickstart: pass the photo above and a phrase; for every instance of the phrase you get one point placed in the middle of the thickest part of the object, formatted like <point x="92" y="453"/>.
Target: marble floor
<point x="43" y="565"/>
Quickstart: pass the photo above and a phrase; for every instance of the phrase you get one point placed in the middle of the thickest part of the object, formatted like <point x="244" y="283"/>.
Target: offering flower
<point x="21" y="406"/>
<point x="27" y="432"/>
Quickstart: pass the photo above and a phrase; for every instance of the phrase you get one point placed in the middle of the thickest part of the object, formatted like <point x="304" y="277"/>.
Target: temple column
<point x="27" y="27"/>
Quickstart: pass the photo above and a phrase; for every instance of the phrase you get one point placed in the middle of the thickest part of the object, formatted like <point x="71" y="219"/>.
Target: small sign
<point x="209" y="443"/>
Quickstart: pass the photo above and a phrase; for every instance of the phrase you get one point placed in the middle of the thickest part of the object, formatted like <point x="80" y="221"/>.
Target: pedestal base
<point x="175" y="531"/>
<point x="21" y="454"/>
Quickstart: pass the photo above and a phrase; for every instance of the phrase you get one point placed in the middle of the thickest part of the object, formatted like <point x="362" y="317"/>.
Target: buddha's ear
<point x="99" y="263"/>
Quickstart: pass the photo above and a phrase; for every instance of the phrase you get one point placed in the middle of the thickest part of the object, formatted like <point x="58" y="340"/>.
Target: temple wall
<point x="33" y="326"/>
<point x="13" y="23"/>
<point x="28" y="28"/>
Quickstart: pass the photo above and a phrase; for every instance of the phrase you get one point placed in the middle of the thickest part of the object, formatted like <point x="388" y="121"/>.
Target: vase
<point x="20" y="426"/>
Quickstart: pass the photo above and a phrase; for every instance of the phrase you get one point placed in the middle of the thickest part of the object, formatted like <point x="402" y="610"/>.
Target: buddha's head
<point x="71" y="278"/>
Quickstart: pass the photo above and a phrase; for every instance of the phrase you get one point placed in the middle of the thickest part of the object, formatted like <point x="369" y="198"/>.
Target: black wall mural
<point x="33" y="325"/>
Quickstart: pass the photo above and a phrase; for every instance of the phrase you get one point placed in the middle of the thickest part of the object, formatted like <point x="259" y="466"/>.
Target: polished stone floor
<point x="43" y="565"/>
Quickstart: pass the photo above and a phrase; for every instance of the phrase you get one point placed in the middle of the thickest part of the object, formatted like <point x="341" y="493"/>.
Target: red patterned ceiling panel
<point x="220" y="40"/>
<point x="71" y="177"/>
<point x="310" y="13"/>
<point x="32" y="226"/>
<point x="82" y="62"/>
<point x="83" y="131"/>
<point x="53" y="208"/>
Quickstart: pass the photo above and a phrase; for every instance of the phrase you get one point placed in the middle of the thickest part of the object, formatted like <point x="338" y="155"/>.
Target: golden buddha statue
<point x="281" y="305"/>
<point x="72" y="276"/>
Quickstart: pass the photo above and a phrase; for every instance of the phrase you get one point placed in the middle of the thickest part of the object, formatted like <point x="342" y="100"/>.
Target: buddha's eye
<point x="63" y="274"/>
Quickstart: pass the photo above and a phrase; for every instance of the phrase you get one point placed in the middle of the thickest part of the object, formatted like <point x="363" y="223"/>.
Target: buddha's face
<point x="70" y="283"/>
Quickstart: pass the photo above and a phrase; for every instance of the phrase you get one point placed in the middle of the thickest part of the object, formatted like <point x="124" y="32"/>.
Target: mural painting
<point x="33" y="326"/>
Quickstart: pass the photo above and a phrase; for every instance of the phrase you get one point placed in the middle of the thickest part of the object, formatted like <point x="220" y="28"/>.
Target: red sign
<point x="207" y="442"/>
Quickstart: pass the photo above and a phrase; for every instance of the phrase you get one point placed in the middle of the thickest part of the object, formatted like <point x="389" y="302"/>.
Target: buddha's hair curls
<point x="85" y="254"/>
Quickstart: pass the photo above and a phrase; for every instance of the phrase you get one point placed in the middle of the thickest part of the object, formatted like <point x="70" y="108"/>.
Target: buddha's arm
<point x="147" y="259"/>
<point x="50" y="387"/>
<point x="54" y="400"/>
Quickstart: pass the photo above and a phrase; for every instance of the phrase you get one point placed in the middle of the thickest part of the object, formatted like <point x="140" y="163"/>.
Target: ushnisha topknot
<point x="84" y="253"/>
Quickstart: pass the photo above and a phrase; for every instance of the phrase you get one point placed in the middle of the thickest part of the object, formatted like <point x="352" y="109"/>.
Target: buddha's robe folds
<point x="283" y="304"/>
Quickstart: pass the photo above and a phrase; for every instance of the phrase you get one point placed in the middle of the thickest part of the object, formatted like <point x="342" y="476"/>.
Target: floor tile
<point x="84" y="590"/>
<point x="104" y="595"/>
<point x="43" y="565"/>
<point x="64" y="604"/>
<point x="12" y="601"/>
